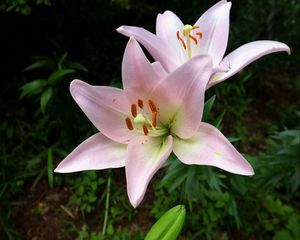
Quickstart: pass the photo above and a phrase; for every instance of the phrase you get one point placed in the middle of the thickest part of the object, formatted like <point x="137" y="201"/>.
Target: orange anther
<point x="152" y="106"/>
<point x="194" y="39"/>
<point x="140" y="103"/>
<point x="133" y="110"/>
<point x="194" y="27"/>
<point x="199" y="34"/>
<point x="154" y="117"/>
<point x="145" y="129"/>
<point x="129" y="123"/>
<point x="181" y="40"/>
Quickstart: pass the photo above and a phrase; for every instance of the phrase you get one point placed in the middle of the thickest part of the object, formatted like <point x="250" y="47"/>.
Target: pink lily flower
<point x="141" y="125"/>
<point x="176" y="43"/>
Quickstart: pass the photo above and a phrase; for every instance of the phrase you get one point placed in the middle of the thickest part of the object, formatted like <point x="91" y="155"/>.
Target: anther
<point x="133" y="110"/>
<point x="145" y="129"/>
<point x="152" y="106"/>
<point x="199" y="34"/>
<point x="181" y="40"/>
<point x="194" y="39"/>
<point x="154" y="117"/>
<point x="129" y="123"/>
<point x="140" y="103"/>
<point x="194" y="27"/>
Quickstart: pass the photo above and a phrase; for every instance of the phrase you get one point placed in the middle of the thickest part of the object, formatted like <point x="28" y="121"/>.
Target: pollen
<point x="145" y="129"/>
<point x="133" y="110"/>
<point x="152" y="106"/>
<point x="140" y="103"/>
<point x="154" y="118"/>
<point x="129" y="123"/>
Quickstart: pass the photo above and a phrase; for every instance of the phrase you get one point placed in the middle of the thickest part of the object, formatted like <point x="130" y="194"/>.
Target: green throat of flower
<point x="144" y="119"/>
<point x="187" y="37"/>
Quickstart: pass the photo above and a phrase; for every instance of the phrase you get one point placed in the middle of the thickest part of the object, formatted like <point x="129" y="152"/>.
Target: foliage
<point x="22" y="6"/>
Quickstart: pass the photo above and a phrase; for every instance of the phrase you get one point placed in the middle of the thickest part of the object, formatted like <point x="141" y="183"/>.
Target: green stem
<point x="106" y="206"/>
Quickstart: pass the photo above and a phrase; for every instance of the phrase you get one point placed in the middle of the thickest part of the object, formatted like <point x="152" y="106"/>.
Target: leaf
<point x="169" y="225"/>
<point x="207" y="108"/>
<point x="76" y="65"/>
<point x="46" y="96"/>
<point x="219" y="119"/>
<point x="57" y="75"/>
<point x="38" y="64"/>
<point x="50" y="167"/>
<point x="32" y="87"/>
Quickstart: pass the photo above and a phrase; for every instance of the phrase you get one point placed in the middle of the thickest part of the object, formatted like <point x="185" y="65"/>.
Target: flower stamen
<point x="199" y="34"/>
<point x="129" y="123"/>
<point x="181" y="40"/>
<point x="145" y="129"/>
<point x="140" y="103"/>
<point x="188" y="35"/>
<point x="154" y="118"/>
<point x="133" y="110"/>
<point x="194" y="39"/>
<point x="152" y="106"/>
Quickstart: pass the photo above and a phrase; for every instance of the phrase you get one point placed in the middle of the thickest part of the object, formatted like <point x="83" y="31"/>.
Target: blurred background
<point x="44" y="44"/>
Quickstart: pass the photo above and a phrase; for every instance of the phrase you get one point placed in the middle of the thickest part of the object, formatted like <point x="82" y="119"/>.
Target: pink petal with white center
<point x="95" y="153"/>
<point x="145" y="156"/>
<point x="160" y="50"/>
<point x="245" y="55"/>
<point x="167" y="25"/>
<point x="138" y="74"/>
<point x="106" y="107"/>
<point x="210" y="147"/>
<point x="214" y="25"/>
<point x="181" y="96"/>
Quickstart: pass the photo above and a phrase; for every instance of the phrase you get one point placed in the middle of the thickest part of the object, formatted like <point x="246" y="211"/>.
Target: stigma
<point x="188" y="36"/>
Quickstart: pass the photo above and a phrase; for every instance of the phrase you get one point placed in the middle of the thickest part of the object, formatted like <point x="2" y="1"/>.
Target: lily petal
<point x="167" y="25"/>
<point x="245" y="55"/>
<point x="160" y="71"/>
<point x="210" y="147"/>
<point x="182" y="93"/>
<point x="145" y="156"/>
<point x="106" y="107"/>
<point x="214" y="25"/>
<point x="160" y="50"/>
<point x="96" y="152"/>
<point x="138" y="73"/>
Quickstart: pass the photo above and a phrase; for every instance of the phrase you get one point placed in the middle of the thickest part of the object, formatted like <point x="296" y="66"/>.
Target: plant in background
<point x="60" y="70"/>
<point x="22" y="6"/>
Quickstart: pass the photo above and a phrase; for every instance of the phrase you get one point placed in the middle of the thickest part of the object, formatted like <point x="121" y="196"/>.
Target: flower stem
<point x="106" y="206"/>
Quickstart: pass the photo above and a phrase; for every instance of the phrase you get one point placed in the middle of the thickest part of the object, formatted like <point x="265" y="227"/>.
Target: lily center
<point x="188" y="37"/>
<point x="144" y="119"/>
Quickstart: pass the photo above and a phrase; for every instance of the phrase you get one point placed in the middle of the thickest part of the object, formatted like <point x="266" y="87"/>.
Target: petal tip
<point x="120" y="29"/>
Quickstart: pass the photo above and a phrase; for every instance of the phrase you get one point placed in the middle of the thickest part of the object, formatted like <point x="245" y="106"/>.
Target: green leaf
<point x="50" y="168"/>
<point x="46" y="96"/>
<point x="57" y="75"/>
<point x="169" y="225"/>
<point x="207" y="108"/>
<point x="32" y="87"/>
<point x="76" y="65"/>
<point x="219" y="119"/>
<point x="38" y="64"/>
